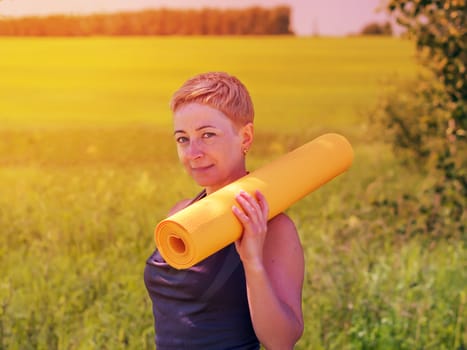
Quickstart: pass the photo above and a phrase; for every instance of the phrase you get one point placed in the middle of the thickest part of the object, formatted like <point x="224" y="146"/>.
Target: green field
<point x="88" y="167"/>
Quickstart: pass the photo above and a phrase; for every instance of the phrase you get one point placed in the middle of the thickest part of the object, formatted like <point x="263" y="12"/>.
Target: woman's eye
<point x="181" y="139"/>
<point x="208" y="135"/>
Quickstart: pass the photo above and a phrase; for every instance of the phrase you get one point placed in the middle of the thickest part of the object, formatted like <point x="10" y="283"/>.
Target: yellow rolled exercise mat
<point x="206" y="226"/>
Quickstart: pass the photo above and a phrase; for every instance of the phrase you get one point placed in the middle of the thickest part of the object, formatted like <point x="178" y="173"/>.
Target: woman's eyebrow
<point x="205" y="127"/>
<point x="197" y="129"/>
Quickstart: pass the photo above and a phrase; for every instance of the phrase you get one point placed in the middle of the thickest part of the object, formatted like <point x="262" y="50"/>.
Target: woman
<point x="249" y="292"/>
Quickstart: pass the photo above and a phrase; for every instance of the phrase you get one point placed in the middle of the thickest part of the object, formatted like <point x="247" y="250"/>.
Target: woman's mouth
<point x="199" y="169"/>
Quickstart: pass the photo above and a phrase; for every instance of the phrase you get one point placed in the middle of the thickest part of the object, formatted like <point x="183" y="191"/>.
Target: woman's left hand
<point x="253" y="215"/>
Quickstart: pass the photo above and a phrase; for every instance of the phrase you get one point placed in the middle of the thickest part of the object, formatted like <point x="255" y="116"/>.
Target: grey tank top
<point x="203" y="307"/>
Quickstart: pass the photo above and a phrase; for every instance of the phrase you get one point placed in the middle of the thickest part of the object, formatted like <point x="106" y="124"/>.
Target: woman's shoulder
<point x="179" y="206"/>
<point x="282" y="223"/>
<point x="283" y="238"/>
<point x="186" y="202"/>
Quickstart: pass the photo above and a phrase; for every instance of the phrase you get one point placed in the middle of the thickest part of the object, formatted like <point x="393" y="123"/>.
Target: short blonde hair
<point x="218" y="90"/>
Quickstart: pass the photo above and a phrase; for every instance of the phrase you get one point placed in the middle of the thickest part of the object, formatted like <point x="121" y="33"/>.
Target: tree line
<point x="207" y="21"/>
<point x="375" y="28"/>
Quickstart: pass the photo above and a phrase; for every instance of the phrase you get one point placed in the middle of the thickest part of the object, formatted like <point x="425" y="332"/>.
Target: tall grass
<point x="79" y="196"/>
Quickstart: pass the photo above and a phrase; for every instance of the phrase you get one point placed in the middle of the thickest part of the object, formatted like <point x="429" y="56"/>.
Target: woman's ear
<point x="247" y="134"/>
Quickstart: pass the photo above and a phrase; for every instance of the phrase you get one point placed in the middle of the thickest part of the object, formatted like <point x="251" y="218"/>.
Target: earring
<point x="245" y="151"/>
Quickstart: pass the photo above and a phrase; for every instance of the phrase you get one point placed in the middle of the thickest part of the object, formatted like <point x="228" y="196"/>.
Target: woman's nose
<point x="194" y="150"/>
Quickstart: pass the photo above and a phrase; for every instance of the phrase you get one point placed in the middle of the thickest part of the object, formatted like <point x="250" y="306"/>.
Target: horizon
<point x="312" y="17"/>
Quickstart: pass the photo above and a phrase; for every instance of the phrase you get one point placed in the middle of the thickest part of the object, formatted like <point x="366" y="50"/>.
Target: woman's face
<point x="209" y="145"/>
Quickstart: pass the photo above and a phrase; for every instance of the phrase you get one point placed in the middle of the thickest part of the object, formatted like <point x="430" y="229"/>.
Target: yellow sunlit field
<point x="108" y="82"/>
<point x="88" y="167"/>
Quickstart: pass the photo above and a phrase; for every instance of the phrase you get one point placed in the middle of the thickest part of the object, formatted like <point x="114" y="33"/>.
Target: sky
<point x="323" y="17"/>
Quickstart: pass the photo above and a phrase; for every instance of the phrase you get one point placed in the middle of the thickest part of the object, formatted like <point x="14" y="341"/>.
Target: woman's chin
<point x="208" y="182"/>
<point x="203" y="181"/>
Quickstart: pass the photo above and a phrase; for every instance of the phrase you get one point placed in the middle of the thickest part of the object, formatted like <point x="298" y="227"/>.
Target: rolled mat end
<point x="174" y="244"/>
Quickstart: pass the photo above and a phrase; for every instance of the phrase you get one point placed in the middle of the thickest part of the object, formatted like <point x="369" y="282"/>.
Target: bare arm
<point x="274" y="266"/>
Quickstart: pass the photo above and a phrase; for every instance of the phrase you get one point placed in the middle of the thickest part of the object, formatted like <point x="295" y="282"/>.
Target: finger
<point x="261" y="209"/>
<point x="263" y="203"/>
<point x="248" y="224"/>
<point x="252" y="202"/>
<point x="240" y="214"/>
<point x="250" y="207"/>
<point x="256" y="211"/>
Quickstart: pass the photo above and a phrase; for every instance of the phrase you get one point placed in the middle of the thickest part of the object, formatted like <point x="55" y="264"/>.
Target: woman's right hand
<point x="252" y="213"/>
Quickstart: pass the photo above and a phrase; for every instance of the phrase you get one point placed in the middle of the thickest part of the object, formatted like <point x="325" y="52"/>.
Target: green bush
<point x="426" y="120"/>
<point x="412" y="117"/>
